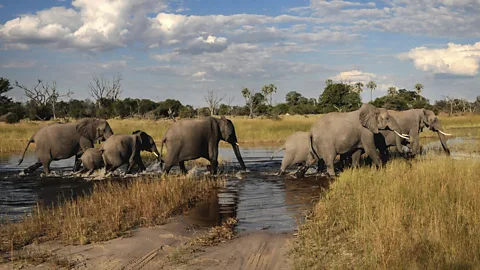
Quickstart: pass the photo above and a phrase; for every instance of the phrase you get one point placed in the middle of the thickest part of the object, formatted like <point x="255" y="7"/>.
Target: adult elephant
<point x="62" y="141"/>
<point x="344" y="133"/>
<point x="412" y="122"/>
<point x="190" y="139"/>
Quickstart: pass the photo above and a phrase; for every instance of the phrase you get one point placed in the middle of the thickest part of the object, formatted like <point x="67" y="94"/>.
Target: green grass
<point x="113" y="209"/>
<point x="420" y="216"/>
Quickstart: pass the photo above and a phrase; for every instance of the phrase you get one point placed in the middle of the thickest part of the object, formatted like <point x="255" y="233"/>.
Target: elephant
<point x="125" y="149"/>
<point x="9" y="118"/>
<point x="61" y="141"/>
<point x="91" y="160"/>
<point x="346" y="132"/>
<point x="190" y="139"/>
<point x="297" y="150"/>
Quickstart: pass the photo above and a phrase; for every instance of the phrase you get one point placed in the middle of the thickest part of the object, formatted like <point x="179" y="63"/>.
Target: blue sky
<point x="182" y="49"/>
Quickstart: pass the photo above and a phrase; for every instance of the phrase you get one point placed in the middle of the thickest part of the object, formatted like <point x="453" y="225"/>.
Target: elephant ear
<point x="368" y="117"/>
<point x="88" y="128"/>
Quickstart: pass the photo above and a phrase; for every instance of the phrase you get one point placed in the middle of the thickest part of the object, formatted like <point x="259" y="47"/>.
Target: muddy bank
<point x="166" y="247"/>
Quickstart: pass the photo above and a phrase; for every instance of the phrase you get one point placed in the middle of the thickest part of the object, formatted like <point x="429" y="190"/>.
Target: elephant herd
<point x="367" y="130"/>
<point x="185" y="140"/>
<point x="351" y="134"/>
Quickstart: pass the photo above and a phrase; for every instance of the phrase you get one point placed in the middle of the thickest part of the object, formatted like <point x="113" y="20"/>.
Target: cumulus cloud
<point x="354" y="76"/>
<point x="456" y="59"/>
<point x="209" y="44"/>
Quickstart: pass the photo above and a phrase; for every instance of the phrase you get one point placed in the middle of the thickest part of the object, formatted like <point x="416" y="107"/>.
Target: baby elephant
<point x="125" y="149"/>
<point x="91" y="160"/>
<point x="297" y="150"/>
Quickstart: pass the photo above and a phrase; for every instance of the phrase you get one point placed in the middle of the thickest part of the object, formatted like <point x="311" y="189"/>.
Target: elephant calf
<point x="91" y="160"/>
<point x="297" y="150"/>
<point x="125" y="149"/>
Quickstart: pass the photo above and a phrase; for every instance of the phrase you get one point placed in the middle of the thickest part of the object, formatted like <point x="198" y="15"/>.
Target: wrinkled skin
<point x="91" y="160"/>
<point x="62" y="141"/>
<point x="345" y="133"/>
<point x="297" y="150"/>
<point x="190" y="139"/>
<point x="125" y="149"/>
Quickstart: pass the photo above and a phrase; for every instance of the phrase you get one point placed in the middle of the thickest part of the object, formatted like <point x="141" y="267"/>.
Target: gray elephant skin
<point x="412" y="122"/>
<point x="91" y="160"/>
<point x="62" y="141"/>
<point x="190" y="139"/>
<point x="344" y="133"/>
<point x="297" y="150"/>
<point x="125" y="149"/>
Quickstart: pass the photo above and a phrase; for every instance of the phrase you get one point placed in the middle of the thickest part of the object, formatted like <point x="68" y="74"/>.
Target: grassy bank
<point x="13" y="137"/>
<point x="424" y="216"/>
<point x="112" y="210"/>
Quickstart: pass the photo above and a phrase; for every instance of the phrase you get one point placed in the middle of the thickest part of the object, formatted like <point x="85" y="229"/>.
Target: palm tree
<point x="269" y="90"/>
<point x="418" y="87"/>
<point x="392" y="91"/>
<point x="358" y="87"/>
<point x="372" y="85"/>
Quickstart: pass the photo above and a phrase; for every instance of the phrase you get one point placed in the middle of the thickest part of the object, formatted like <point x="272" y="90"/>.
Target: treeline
<point x="46" y="102"/>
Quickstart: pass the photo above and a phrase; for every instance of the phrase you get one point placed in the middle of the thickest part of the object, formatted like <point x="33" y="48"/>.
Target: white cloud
<point x="113" y="64"/>
<point x="167" y="57"/>
<point x="1" y="6"/>
<point x="354" y="76"/>
<point x="457" y="59"/>
<point x="20" y="64"/>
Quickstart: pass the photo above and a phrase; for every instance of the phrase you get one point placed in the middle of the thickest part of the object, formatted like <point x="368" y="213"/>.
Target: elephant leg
<point x="183" y="169"/>
<point x="214" y="166"/>
<point x="140" y="163"/>
<point x="329" y="161"/>
<point x="46" y="166"/>
<point x="356" y="156"/>
<point x="369" y="147"/>
<point x="286" y="161"/>
<point x="414" y="143"/>
<point x="32" y="168"/>
<point x="77" y="163"/>
<point x="321" y="166"/>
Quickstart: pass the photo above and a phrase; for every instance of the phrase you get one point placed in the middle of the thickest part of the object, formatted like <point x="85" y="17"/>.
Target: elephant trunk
<point x="437" y="127"/>
<point x="236" y="149"/>
<point x="393" y="125"/>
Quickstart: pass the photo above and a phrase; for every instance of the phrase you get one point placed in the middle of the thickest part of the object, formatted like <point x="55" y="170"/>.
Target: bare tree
<point x="44" y="94"/>
<point x="102" y="89"/>
<point x="229" y="104"/>
<point x="213" y="101"/>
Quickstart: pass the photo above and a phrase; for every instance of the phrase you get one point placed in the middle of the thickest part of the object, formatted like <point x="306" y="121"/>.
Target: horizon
<point x="183" y="49"/>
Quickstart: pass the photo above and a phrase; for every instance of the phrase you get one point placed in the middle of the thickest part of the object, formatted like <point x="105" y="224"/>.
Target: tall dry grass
<point x="111" y="210"/>
<point x="424" y="216"/>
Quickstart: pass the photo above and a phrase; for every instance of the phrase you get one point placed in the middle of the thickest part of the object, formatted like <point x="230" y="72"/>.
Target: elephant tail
<point x="164" y="139"/>
<point x="24" y="151"/>
<point x="279" y="150"/>
<point x="312" y="147"/>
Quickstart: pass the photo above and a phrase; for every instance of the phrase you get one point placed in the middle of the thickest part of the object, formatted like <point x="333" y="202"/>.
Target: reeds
<point x="424" y="215"/>
<point x="113" y="209"/>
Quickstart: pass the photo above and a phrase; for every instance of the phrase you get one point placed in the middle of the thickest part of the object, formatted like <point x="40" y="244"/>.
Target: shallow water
<point x="259" y="199"/>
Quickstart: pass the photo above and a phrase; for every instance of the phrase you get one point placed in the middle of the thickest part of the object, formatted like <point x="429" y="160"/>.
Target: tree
<point x="328" y="82"/>
<point x="358" y="87"/>
<point x="339" y="97"/>
<point x="104" y="91"/>
<point x="292" y="98"/>
<point x="213" y="101"/>
<point x="44" y="96"/>
<point x="371" y="85"/>
<point x="253" y="100"/>
<point x="269" y="90"/>
<point x="418" y="88"/>
<point x="4" y="88"/>
<point x="392" y="91"/>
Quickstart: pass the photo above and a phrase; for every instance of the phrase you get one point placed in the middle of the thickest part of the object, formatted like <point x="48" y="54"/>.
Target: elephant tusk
<point x="406" y="135"/>
<point x="401" y="136"/>
<point x="446" y="134"/>
<point x="155" y="154"/>
<point x="237" y="144"/>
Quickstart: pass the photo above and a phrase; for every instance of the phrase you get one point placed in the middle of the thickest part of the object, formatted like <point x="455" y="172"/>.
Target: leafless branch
<point x="213" y="101"/>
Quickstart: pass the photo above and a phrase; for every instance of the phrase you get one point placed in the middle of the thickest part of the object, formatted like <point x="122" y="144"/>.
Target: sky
<point x="182" y="49"/>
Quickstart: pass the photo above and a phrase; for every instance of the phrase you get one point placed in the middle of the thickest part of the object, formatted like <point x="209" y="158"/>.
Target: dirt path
<point x="166" y="247"/>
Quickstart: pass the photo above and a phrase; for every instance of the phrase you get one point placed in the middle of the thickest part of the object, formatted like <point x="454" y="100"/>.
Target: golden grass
<point x="424" y="216"/>
<point x="111" y="210"/>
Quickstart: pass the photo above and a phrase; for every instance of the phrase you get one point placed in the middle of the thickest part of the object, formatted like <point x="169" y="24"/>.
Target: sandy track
<point x="149" y="248"/>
